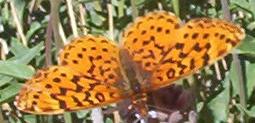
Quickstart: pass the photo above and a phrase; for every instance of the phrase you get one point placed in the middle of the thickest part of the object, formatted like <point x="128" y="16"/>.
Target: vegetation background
<point x="33" y="31"/>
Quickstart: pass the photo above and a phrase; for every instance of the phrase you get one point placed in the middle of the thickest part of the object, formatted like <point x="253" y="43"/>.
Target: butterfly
<point x="155" y="50"/>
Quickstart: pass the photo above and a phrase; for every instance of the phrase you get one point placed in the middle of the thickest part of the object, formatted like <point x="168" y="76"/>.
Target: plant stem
<point x="134" y="9"/>
<point x="72" y="18"/>
<point x="176" y="7"/>
<point x="236" y="60"/>
<point x="18" y="23"/>
<point x="54" y="15"/>
<point x="110" y="21"/>
<point x="67" y="117"/>
<point x="48" y="42"/>
<point x="1" y="117"/>
<point x="82" y="20"/>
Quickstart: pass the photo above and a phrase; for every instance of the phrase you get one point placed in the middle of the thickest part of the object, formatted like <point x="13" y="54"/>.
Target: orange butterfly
<point x="155" y="51"/>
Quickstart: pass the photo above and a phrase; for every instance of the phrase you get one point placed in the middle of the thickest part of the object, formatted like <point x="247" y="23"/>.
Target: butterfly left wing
<point x="88" y="76"/>
<point x="57" y="89"/>
<point x="94" y="56"/>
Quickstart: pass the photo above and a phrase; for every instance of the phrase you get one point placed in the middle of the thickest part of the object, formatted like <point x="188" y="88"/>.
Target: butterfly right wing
<point x="201" y="42"/>
<point x="148" y="38"/>
<point x="164" y="50"/>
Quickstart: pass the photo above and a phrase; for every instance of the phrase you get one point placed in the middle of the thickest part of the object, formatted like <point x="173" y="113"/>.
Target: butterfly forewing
<point x="168" y="50"/>
<point x="95" y="56"/>
<point x="149" y="37"/>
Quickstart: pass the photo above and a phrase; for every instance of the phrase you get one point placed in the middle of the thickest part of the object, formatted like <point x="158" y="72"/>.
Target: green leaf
<point x="5" y="14"/>
<point x="247" y="46"/>
<point x="247" y="5"/>
<point x="68" y="117"/>
<point x="250" y="113"/>
<point x="82" y="114"/>
<point x="219" y="105"/>
<point x="242" y="3"/>
<point x="30" y="118"/>
<point x="249" y="75"/>
<point x="10" y="91"/>
<point x="5" y="80"/>
<point x="15" y="69"/>
<point x="35" y="26"/>
<point x="251" y="26"/>
<point x="250" y="82"/>
<point x="97" y="5"/>
<point x="14" y="120"/>
<point x="234" y="79"/>
<point x="96" y="18"/>
<point x="108" y="120"/>
<point x="20" y="8"/>
<point x="199" y="106"/>
<point x="17" y="48"/>
<point x="252" y="7"/>
<point x="121" y="8"/>
<point x="26" y="56"/>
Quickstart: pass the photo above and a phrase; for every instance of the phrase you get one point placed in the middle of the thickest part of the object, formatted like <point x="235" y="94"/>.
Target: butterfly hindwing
<point x="200" y="42"/>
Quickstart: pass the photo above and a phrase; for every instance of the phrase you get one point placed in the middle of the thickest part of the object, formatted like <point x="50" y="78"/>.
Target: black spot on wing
<point x="100" y="97"/>
<point x="170" y="73"/>
<point x="77" y="101"/>
<point x="195" y="36"/>
<point x="87" y="98"/>
<point x="56" y="79"/>
<point x="48" y="86"/>
<point x="62" y="104"/>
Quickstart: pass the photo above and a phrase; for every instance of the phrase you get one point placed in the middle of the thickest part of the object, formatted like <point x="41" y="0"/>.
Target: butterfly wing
<point x="201" y="42"/>
<point x="58" y="89"/>
<point x="165" y="49"/>
<point x="88" y="76"/>
<point x="94" y="56"/>
<point x="148" y="38"/>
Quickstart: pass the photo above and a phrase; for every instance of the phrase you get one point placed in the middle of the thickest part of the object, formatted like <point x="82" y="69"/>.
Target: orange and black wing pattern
<point x="168" y="50"/>
<point x="88" y="75"/>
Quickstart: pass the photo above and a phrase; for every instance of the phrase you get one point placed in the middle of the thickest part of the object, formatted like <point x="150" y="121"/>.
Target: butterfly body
<point x="155" y="51"/>
<point x="134" y="78"/>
